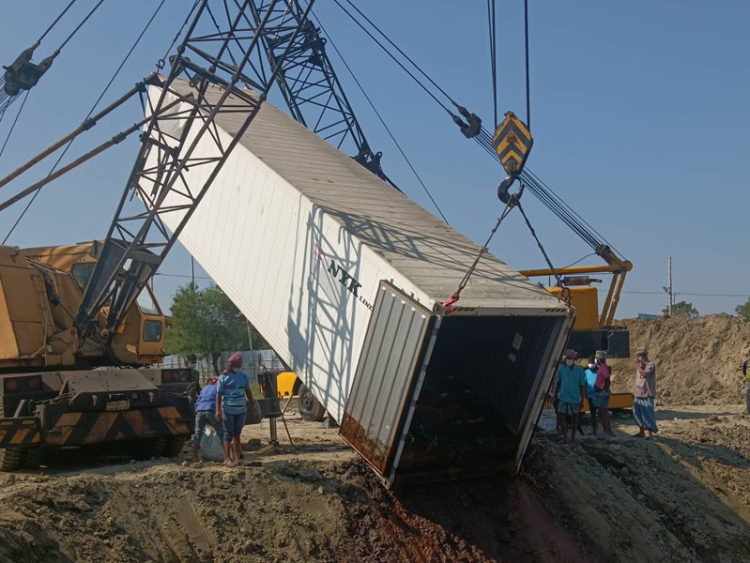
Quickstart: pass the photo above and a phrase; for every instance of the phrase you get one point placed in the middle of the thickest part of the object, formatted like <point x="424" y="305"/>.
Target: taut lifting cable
<point x="382" y="121"/>
<point x="415" y="65"/>
<point x="526" y="36"/>
<point x="399" y="63"/>
<point x="160" y="63"/>
<point x="493" y="54"/>
<point x="13" y="126"/>
<point x="539" y="244"/>
<point x="79" y="26"/>
<point x="57" y="19"/>
<point x="91" y="111"/>
<point x="456" y="295"/>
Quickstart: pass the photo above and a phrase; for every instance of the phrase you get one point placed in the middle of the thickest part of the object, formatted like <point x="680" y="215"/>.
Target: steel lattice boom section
<point x="308" y="82"/>
<point x="221" y="47"/>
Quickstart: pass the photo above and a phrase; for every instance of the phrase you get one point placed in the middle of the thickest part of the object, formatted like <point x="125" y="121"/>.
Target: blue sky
<point x="639" y="112"/>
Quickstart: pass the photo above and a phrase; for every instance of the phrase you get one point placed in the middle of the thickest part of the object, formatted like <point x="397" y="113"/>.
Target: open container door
<point x="450" y="397"/>
<point x="396" y="350"/>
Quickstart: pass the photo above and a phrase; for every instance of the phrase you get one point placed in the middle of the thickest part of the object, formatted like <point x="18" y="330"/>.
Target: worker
<point x="205" y="408"/>
<point x="644" y="394"/>
<point x="232" y="395"/>
<point x="746" y="379"/>
<point x="570" y="387"/>
<point x="601" y="389"/>
<point x="590" y="392"/>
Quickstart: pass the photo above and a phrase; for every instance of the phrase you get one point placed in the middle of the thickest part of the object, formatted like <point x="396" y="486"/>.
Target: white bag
<point x="211" y="446"/>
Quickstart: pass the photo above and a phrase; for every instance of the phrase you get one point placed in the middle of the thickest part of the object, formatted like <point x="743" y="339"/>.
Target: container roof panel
<point x="427" y="251"/>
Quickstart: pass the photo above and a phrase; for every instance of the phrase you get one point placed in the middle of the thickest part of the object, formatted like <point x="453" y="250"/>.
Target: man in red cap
<point x="232" y="395"/>
<point x="570" y="387"/>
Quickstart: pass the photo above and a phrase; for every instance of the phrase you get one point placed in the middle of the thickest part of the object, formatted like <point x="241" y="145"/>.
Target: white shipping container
<point x="308" y="243"/>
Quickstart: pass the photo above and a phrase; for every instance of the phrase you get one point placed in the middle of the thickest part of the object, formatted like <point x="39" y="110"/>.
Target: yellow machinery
<point x="593" y="329"/>
<point x="50" y="395"/>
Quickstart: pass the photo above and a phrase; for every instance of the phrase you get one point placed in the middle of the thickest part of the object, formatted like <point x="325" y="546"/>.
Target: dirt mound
<point x="594" y="500"/>
<point x="684" y="496"/>
<point x="697" y="361"/>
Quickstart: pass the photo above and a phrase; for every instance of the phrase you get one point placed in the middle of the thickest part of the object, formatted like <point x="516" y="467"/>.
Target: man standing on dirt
<point x="644" y="394"/>
<point x="590" y="391"/>
<point x="601" y="389"/>
<point x="231" y="395"/>
<point x="570" y="387"/>
<point x="746" y="379"/>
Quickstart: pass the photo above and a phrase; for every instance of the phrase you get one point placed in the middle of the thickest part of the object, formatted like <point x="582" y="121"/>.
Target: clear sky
<point x="639" y="111"/>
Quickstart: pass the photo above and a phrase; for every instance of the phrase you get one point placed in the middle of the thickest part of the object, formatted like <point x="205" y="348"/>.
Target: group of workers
<point x="222" y="404"/>
<point x="572" y="383"/>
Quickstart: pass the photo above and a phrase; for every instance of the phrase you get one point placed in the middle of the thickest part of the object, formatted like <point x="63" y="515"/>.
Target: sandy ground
<point x="683" y="496"/>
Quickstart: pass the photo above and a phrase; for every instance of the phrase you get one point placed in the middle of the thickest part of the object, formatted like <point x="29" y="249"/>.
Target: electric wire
<point x="382" y="121"/>
<point x="91" y="111"/>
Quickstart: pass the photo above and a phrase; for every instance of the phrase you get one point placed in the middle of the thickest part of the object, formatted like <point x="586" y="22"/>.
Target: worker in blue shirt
<point x="570" y="387"/>
<point x="205" y="408"/>
<point x="591" y="373"/>
<point x="232" y="395"/>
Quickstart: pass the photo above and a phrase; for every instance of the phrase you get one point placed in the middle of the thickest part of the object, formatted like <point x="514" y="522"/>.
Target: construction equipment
<point x="54" y="390"/>
<point x="353" y="288"/>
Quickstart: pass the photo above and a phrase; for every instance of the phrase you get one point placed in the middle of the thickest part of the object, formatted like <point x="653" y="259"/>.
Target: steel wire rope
<point x="160" y="62"/>
<point x="550" y="199"/>
<point x="526" y="38"/>
<point x="57" y="19"/>
<point x="571" y="218"/>
<point x="395" y="46"/>
<point x="13" y="125"/>
<point x="539" y="244"/>
<point x="91" y="111"/>
<point x="590" y="254"/>
<point x="399" y="63"/>
<point x="79" y="26"/>
<point x="482" y="250"/>
<point x="382" y="121"/>
<point x="493" y="54"/>
<point x="7" y="99"/>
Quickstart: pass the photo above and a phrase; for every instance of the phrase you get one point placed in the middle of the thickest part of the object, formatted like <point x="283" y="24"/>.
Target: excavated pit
<point x="684" y="496"/>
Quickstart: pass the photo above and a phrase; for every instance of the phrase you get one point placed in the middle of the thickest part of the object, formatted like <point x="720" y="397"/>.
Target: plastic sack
<point x="253" y="415"/>
<point x="211" y="446"/>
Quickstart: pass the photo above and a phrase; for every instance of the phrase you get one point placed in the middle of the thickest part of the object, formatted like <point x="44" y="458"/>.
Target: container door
<point x="386" y="384"/>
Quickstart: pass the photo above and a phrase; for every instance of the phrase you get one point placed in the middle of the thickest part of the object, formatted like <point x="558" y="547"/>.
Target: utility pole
<point x="668" y="289"/>
<point x="192" y="271"/>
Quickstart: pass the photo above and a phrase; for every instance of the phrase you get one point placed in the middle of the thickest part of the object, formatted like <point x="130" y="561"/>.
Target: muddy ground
<point x="682" y="496"/>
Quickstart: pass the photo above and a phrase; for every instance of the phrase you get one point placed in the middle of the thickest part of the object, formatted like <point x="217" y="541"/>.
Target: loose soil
<point x="682" y="496"/>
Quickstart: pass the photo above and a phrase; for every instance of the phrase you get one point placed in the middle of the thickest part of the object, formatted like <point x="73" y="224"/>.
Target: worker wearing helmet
<point x="570" y="388"/>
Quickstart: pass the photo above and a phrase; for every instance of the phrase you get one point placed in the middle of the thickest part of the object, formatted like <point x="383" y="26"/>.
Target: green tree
<point x="683" y="309"/>
<point x="744" y="310"/>
<point x="205" y="322"/>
